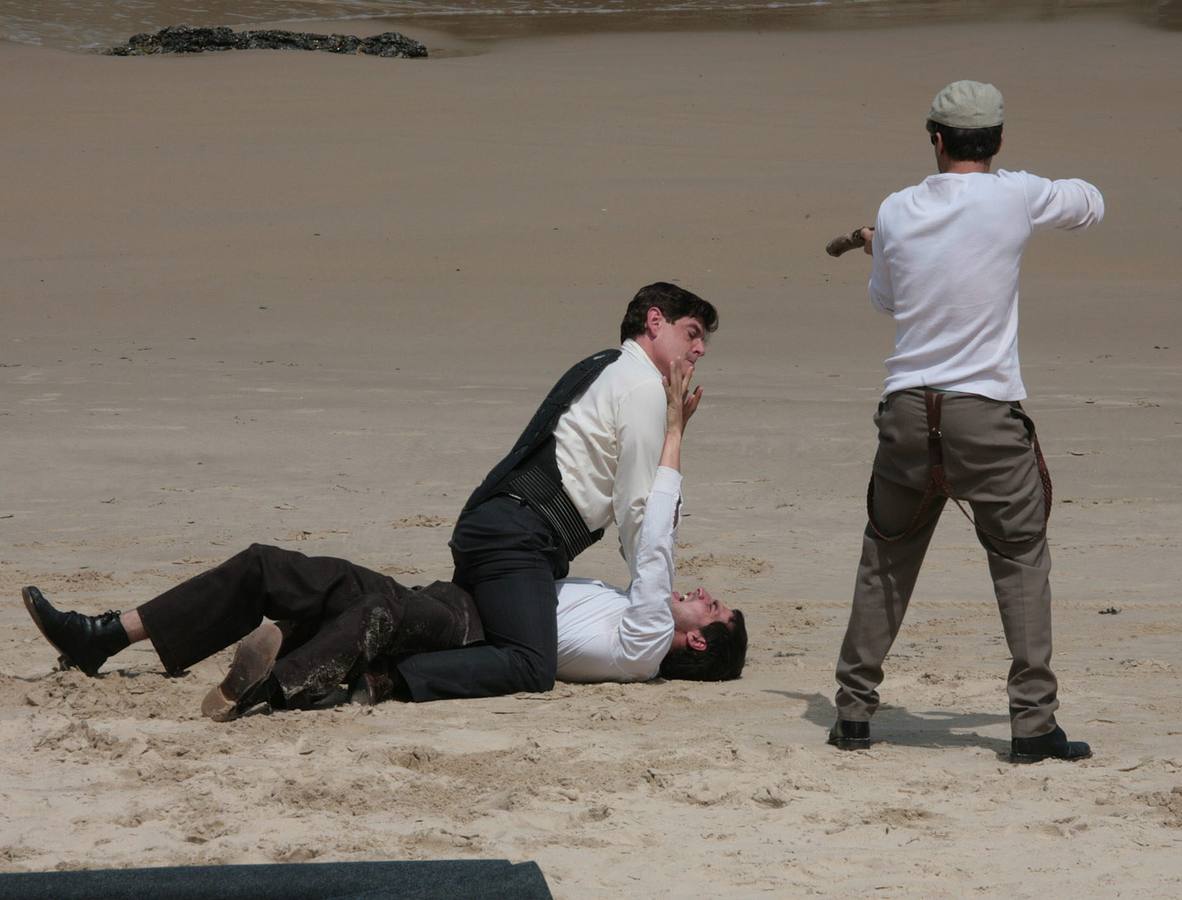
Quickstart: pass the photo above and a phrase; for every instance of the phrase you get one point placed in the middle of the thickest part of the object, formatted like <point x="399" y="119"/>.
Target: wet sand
<point x="79" y="25"/>
<point x="308" y="300"/>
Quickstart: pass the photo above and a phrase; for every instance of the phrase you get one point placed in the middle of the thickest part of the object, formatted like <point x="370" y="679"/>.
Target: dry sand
<point x="308" y="300"/>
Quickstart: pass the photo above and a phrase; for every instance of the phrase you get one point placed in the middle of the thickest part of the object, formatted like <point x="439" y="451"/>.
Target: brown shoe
<point x="252" y="664"/>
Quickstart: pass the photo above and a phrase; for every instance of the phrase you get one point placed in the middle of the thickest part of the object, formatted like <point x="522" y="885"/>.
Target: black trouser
<point x="507" y="558"/>
<point x="338" y="613"/>
<point x="316" y="657"/>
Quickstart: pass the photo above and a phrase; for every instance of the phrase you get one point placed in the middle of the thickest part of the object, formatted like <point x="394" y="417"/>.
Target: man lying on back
<point x="345" y="624"/>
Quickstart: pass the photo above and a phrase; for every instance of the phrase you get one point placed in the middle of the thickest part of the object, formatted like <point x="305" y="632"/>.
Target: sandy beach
<point x="309" y="300"/>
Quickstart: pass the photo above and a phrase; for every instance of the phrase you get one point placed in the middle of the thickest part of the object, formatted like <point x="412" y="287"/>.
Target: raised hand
<point x="681" y="403"/>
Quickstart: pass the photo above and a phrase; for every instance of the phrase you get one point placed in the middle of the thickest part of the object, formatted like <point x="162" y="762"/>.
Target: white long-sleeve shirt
<point x="605" y="634"/>
<point x="946" y="257"/>
<point x="608" y="444"/>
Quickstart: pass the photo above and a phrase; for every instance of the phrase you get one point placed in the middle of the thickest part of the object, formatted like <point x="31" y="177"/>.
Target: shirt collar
<point x="634" y="349"/>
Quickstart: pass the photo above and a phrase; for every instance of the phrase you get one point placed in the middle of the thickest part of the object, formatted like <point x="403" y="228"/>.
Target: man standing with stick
<point x="946" y="256"/>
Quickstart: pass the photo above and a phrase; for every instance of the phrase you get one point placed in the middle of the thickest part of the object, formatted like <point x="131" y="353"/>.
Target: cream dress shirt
<point x="605" y="634"/>
<point x="609" y="443"/>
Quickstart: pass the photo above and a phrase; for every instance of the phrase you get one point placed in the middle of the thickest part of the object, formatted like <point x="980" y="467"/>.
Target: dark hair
<point x="967" y="144"/>
<point x="722" y="660"/>
<point x="673" y="302"/>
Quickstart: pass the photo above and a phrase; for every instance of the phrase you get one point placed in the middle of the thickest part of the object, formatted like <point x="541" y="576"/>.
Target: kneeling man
<point x="341" y="623"/>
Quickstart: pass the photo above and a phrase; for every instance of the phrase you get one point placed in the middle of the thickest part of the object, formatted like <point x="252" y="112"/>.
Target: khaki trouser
<point x="989" y="461"/>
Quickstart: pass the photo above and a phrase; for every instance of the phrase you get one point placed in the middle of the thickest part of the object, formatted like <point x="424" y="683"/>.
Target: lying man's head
<point x="709" y="639"/>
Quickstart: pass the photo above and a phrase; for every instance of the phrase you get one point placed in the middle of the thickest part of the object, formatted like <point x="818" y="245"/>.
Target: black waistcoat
<point x="531" y="470"/>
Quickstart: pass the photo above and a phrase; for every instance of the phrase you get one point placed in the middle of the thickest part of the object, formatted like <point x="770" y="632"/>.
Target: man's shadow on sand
<point x="895" y="725"/>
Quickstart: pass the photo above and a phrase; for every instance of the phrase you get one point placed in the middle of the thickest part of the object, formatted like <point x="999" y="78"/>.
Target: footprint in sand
<point x="746" y="565"/>
<point x="421" y="521"/>
<point x="302" y="535"/>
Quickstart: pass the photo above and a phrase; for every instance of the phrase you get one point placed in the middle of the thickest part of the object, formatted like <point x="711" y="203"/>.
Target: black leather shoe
<point x="380" y="682"/>
<point x="370" y="688"/>
<point x="847" y="735"/>
<point x="1053" y="745"/>
<point x="85" y="642"/>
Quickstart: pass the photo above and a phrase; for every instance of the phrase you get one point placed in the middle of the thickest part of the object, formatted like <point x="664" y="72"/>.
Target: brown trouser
<point x="990" y="463"/>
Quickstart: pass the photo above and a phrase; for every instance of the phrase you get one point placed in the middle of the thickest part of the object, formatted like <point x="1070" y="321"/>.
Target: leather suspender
<point x="938" y="482"/>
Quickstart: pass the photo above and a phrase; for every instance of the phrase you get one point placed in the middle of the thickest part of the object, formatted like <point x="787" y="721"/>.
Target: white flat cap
<point x="968" y="104"/>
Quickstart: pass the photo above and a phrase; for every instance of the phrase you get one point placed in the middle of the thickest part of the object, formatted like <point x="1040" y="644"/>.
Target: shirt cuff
<point x="667" y="481"/>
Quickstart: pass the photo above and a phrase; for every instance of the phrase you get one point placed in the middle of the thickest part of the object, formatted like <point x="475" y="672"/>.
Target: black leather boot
<point x="847" y="735"/>
<point x="381" y="681"/>
<point x="84" y="642"/>
<point x="1052" y="745"/>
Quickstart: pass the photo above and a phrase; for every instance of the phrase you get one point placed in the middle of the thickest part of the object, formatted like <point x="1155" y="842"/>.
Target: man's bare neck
<point x="966" y="166"/>
<point x="646" y="344"/>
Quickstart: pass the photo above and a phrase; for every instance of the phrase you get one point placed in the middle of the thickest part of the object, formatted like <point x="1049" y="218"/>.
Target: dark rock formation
<point x="184" y="39"/>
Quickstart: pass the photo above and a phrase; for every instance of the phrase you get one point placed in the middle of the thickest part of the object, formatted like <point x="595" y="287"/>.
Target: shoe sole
<point x="253" y="660"/>
<point x="1023" y="759"/>
<point x="849" y="743"/>
<point x="63" y="660"/>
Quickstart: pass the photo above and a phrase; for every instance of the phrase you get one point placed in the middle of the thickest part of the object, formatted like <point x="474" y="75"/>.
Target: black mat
<point x="488" y="879"/>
